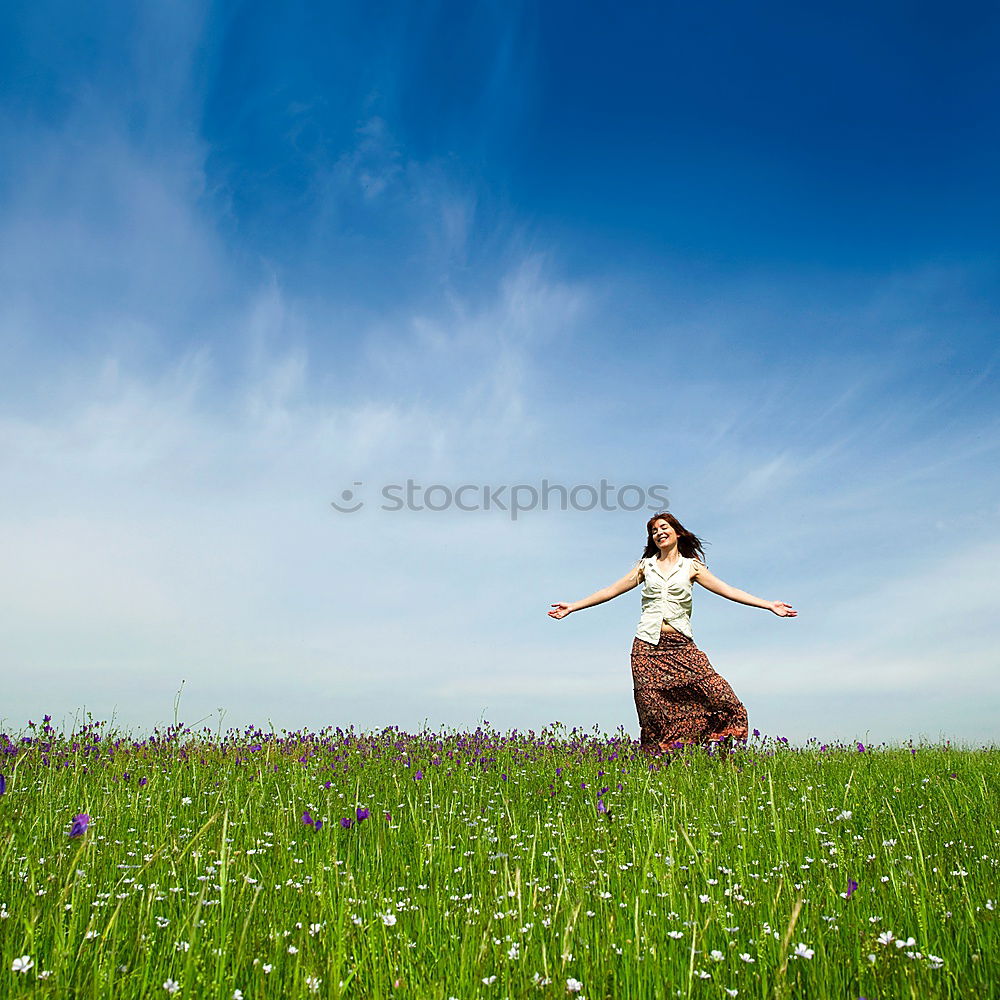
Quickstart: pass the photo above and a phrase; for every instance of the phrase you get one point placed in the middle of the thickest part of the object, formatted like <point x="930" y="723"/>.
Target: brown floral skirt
<point x="680" y="698"/>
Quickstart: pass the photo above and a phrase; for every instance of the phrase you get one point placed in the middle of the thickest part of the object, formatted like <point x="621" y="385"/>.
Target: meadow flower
<point x="573" y="985"/>
<point x="746" y="957"/>
<point x="312" y="982"/>
<point x="489" y="980"/>
<point x="675" y="934"/>
<point x="306" y="818"/>
<point x="389" y="919"/>
<point x="171" y="986"/>
<point x="346" y="822"/>
<point x="361" y="813"/>
<point x="237" y="994"/>
<point x="601" y="807"/>
<point x="22" y="964"/>
<point x="908" y="943"/>
<point x="851" y="888"/>
<point x="419" y="775"/>
<point x="3" y="784"/>
<point x="716" y="955"/>
<point x="186" y="801"/>
<point x="803" y="952"/>
<point x="886" y="937"/>
<point x="79" y="826"/>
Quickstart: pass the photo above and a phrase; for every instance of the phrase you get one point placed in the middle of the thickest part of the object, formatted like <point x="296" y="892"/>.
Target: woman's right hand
<point x="561" y="610"/>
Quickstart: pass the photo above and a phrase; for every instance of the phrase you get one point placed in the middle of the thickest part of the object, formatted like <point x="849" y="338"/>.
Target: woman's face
<point x="663" y="534"/>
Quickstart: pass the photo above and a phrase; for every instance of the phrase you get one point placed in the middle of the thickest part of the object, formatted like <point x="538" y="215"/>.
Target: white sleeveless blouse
<point x="666" y="596"/>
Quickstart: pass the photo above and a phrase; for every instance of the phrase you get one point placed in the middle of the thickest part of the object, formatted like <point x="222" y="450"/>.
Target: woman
<point x="678" y="695"/>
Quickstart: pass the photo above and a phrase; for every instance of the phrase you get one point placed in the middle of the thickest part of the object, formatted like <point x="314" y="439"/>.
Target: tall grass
<point x="494" y="865"/>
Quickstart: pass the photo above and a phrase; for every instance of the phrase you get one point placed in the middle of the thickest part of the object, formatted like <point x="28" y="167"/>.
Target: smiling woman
<point x="679" y="697"/>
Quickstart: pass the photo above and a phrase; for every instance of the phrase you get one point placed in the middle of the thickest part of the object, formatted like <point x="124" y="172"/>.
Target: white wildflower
<point x="803" y="952"/>
<point x="389" y="919"/>
<point x="171" y="986"/>
<point x="574" y="985"/>
<point x="22" y="964"/>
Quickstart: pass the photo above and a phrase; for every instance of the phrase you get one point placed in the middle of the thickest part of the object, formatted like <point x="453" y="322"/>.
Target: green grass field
<point x="492" y="865"/>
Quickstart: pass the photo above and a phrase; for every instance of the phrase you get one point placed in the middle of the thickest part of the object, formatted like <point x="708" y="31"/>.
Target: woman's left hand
<point x="782" y="610"/>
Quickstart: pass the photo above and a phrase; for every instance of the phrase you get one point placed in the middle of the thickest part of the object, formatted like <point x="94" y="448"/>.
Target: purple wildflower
<point x="851" y="887"/>
<point x="558" y="771"/>
<point x="79" y="826"/>
<point x="142" y="781"/>
<point x="318" y="825"/>
<point x="362" y="813"/>
<point x="756" y="732"/>
<point x="388" y="817"/>
<point x="601" y="807"/>
<point x="861" y="747"/>
<point x="307" y="819"/>
<point x="346" y="822"/>
<point x="3" y="784"/>
<point x="419" y="775"/>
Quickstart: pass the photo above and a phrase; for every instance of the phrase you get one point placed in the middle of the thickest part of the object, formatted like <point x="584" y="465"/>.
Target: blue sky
<point x="252" y="258"/>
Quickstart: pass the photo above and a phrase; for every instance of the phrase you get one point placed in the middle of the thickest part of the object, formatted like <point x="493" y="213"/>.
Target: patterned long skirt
<point x="680" y="698"/>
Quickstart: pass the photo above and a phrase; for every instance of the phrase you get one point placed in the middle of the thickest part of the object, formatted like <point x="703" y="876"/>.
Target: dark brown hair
<point x="688" y="544"/>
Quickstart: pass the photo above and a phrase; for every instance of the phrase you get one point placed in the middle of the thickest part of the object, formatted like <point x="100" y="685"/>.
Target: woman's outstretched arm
<point x="711" y="582"/>
<point x="628" y="582"/>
